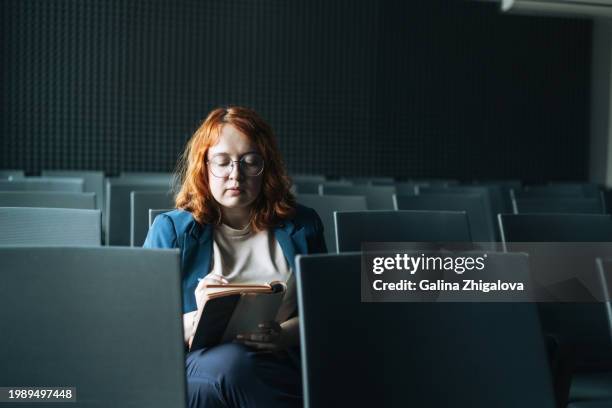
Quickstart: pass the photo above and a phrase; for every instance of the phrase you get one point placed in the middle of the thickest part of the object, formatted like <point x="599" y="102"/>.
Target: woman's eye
<point x="252" y="160"/>
<point x="221" y="162"/>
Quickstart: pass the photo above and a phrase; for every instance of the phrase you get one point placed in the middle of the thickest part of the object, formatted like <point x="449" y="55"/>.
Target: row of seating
<point x="500" y="197"/>
<point x="396" y="354"/>
<point x="134" y="224"/>
<point x="589" y="337"/>
<point x="77" y="189"/>
<point x="423" y="226"/>
<point x="81" y="227"/>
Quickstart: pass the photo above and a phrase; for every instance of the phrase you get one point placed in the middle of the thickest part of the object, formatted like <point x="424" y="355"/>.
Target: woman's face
<point x="233" y="184"/>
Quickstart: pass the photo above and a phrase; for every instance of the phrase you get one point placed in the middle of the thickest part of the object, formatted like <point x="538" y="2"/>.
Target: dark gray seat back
<point x="74" y="185"/>
<point x="11" y="174"/>
<point x="377" y="197"/>
<point x="556" y="227"/>
<point x="604" y="270"/>
<point x="474" y="204"/>
<point x="371" y="181"/>
<point x="573" y="205"/>
<point x="355" y="227"/>
<point x="426" y="355"/>
<point x="146" y="176"/>
<point x="104" y="320"/>
<point x="140" y="204"/>
<point x="499" y="200"/>
<point x="558" y="190"/>
<point x="406" y="188"/>
<point x="154" y="213"/>
<point x="49" y="226"/>
<point x="313" y="187"/>
<point x="586" y="326"/>
<point x="117" y="194"/>
<point x="315" y="178"/>
<point x="326" y="205"/>
<point x="93" y="182"/>
<point x="46" y="199"/>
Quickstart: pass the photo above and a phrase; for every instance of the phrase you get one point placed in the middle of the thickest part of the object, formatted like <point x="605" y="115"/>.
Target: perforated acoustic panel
<point x="351" y="87"/>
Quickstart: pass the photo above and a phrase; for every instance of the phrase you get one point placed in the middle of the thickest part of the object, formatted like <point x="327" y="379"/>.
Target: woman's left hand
<point x="269" y="336"/>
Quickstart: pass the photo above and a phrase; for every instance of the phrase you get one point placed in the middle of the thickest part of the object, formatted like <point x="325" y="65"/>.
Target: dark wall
<point x="351" y="87"/>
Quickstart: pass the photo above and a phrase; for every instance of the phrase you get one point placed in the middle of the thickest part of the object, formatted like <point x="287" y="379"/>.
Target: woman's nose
<point x="235" y="173"/>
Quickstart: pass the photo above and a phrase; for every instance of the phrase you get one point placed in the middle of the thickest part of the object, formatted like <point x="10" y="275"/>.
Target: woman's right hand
<point x="190" y="320"/>
<point x="200" y="291"/>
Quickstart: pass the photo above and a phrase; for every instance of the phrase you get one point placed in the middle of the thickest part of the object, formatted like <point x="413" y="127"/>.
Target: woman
<point x="237" y="221"/>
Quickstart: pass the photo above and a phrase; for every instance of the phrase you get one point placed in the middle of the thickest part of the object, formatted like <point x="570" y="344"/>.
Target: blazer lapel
<point x="292" y="241"/>
<point x="283" y="236"/>
<point x="197" y="251"/>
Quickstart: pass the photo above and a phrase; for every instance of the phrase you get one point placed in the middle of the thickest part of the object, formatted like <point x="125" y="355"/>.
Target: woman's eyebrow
<point x="219" y="154"/>
<point x="228" y="155"/>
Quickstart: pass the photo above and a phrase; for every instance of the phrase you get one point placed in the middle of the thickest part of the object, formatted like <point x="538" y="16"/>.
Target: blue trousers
<point x="234" y="375"/>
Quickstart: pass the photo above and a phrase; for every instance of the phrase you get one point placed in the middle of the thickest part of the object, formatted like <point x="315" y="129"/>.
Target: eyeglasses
<point x="250" y="164"/>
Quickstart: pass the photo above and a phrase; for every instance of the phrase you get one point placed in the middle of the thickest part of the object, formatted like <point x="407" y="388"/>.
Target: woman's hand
<point x="269" y="336"/>
<point x="200" y="290"/>
<point x="189" y="326"/>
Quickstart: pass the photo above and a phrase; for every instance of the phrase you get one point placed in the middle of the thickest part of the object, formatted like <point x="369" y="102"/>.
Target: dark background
<point x="353" y="87"/>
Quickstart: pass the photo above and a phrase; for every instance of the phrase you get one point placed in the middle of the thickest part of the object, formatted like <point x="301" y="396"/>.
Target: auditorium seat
<point x="93" y="182"/>
<point x="49" y="226"/>
<point x="117" y="194"/>
<point x="426" y="355"/>
<point x="370" y="181"/>
<point x="140" y="203"/>
<point x="310" y="178"/>
<point x="591" y="404"/>
<point x="67" y="184"/>
<point x="377" y="197"/>
<point x="556" y="227"/>
<point x="434" y="182"/>
<point x="498" y="202"/>
<point x="326" y="205"/>
<point x="584" y="327"/>
<point x="11" y="174"/>
<point x="154" y="213"/>
<point x="355" y="227"/>
<point x="558" y="190"/>
<point x="606" y="197"/>
<point x="144" y="176"/>
<point x="406" y="188"/>
<point x="505" y="188"/>
<point x="591" y="389"/>
<point x="573" y="205"/>
<point x="106" y="321"/>
<point x="46" y="199"/>
<point x="313" y="187"/>
<point x="476" y="205"/>
<point x="510" y="183"/>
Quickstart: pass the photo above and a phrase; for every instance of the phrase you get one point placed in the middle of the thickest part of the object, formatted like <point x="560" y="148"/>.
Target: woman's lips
<point x="234" y="191"/>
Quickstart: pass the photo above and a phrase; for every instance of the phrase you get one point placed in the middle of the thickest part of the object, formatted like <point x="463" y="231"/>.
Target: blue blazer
<point x="178" y="229"/>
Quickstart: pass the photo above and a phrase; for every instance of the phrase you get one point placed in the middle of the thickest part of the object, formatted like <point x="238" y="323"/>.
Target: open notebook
<point x="236" y="309"/>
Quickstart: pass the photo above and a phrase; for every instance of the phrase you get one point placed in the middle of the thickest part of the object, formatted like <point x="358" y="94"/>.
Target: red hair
<point x="275" y="201"/>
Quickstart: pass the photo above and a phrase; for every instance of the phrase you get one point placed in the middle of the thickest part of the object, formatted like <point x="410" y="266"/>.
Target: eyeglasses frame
<point x="239" y="168"/>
